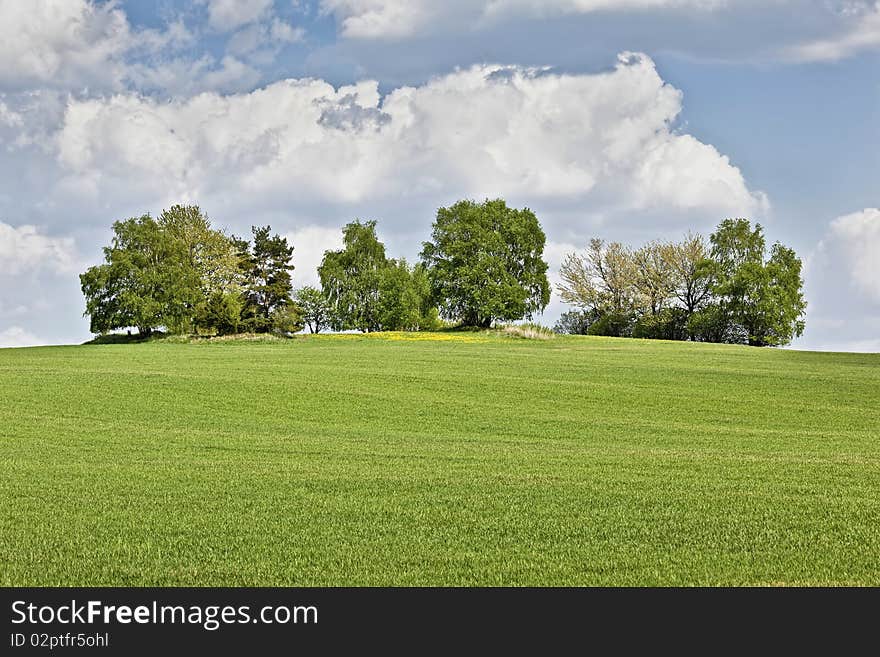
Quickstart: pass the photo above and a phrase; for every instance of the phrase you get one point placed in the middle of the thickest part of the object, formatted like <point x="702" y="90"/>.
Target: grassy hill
<point x="438" y="459"/>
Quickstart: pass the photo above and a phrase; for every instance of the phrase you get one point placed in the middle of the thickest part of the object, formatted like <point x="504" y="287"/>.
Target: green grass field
<point x="444" y="459"/>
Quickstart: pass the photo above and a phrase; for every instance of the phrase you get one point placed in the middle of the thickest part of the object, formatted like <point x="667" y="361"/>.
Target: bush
<point x="615" y="325"/>
<point x="222" y="312"/>
<point x="576" y="322"/>
<point x="668" y="324"/>
<point x="713" y="324"/>
<point x="528" y="331"/>
<point x="287" y="319"/>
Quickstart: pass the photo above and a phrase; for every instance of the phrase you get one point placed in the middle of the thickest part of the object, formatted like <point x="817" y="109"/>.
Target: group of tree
<point x="484" y="263"/>
<point x="365" y="290"/>
<point x="179" y="273"/>
<point x="730" y="288"/>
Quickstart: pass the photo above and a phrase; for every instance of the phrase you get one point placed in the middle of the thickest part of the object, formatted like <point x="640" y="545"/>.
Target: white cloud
<point x="842" y="285"/>
<point x="264" y="36"/>
<point x="228" y="15"/>
<point x="74" y="43"/>
<point x="25" y="249"/>
<point x="594" y="141"/>
<point x="371" y="19"/>
<point x="863" y="34"/>
<point x="381" y="19"/>
<point x="309" y="244"/>
<point x="588" y="6"/>
<point x="16" y="336"/>
<point x="857" y="238"/>
<point x="9" y="118"/>
<point x="182" y="77"/>
<point x="78" y="45"/>
<point x="51" y="40"/>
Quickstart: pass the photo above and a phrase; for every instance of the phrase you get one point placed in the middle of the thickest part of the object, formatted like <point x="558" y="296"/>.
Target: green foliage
<point x="761" y="295"/>
<point x="405" y="298"/>
<point x="603" y="279"/>
<point x="351" y="277"/>
<point x="690" y="271"/>
<point x="451" y="459"/>
<point x="161" y="273"/>
<point x="713" y="324"/>
<point x="653" y="278"/>
<point x="136" y="284"/>
<point x="287" y="319"/>
<point x="485" y="263"/>
<point x="576" y="322"/>
<point x="614" y="325"/>
<point x="679" y="291"/>
<point x="666" y="324"/>
<point x="222" y="312"/>
<point x="266" y="266"/>
<point x="315" y="308"/>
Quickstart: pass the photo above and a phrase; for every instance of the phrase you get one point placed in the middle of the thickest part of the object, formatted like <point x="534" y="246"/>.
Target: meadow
<point x="438" y="459"/>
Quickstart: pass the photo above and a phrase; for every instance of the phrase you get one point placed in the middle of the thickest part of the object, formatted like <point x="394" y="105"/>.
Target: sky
<point x="630" y="120"/>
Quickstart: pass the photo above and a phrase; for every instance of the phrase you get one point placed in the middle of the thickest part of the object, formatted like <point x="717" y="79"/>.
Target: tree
<point x="653" y="278"/>
<point x="603" y="278"/>
<point x="208" y="267"/>
<point x="690" y="271"/>
<point x="266" y="267"/>
<point x="665" y="324"/>
<point x="136" y="285"/>
<point x="350" y="278"/>
<point x="485" y="263"/>
<point x="405" y="298"/>
<point x="314" y="306"/>
<point x="221" y="312"/>
<point x="762" y="296"/>
<point x="576" y="322"/>
<point x="172" y="272"/>
<point x="286" y="319"/>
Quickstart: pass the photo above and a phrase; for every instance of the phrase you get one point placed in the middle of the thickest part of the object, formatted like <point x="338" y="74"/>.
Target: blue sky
<point x="625" y="119"/>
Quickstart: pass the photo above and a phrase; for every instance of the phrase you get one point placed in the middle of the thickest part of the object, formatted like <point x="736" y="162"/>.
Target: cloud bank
<point x="607" y="140"/>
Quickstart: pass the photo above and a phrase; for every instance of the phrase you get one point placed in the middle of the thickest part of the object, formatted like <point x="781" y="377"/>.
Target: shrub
<point x="287" y="320"/>
<point x="615" y="325"/>
<point x="528" y="331"/>
<point x="668" y="324"/>
<point x="576" y="322"/>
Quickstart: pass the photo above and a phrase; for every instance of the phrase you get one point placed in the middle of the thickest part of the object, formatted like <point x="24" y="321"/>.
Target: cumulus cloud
<point x="73" y="43"/>
<point x="15" y="336"/>
<point x="587" y="6"/>
<point x="227" y="15"/>
<point x="593" y="140"/>
<point x="263" y="37"/>
<point x="384" y="19"/>
<point x="309" y="243"/>
<point x="862" y="33"/>
<point x="25" y="249"/>
<point x="46" y="40"/>
<point x="842" y="285"/>
<point x="856" y="237"/>
<point x="9" y="118"/>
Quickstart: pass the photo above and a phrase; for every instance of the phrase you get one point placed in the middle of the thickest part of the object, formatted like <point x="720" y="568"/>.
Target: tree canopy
<point x="485" y="263"/>
<point x="762" y="295"/>
<point x="351" y="277"/>
<point x="266" y="266"/>
<point x="726" y="290"/>
<point x="179" y="273"/>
